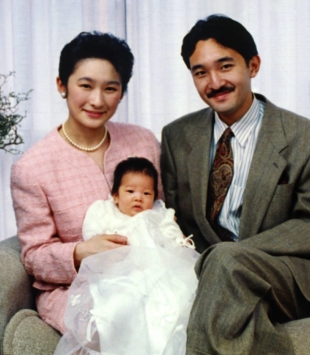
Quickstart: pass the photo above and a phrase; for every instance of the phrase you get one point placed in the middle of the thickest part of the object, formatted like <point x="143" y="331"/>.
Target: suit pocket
<point x="68" y="212"/>
<point x="284" y="190"/>
<point x="280" y="206"/>
<point x="60" y="203"/>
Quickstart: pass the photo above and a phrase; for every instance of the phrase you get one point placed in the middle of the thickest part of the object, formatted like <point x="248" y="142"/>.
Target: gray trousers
<point x="243" y="297"/>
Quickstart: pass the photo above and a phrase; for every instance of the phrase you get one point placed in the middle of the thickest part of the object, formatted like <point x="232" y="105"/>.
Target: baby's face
<point x="135" y="194"/>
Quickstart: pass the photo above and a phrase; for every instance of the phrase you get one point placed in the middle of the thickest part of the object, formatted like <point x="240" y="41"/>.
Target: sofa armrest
<point x="12" y="243"/>
<point x="27" y="334"/>
<point x="15" y="284"/>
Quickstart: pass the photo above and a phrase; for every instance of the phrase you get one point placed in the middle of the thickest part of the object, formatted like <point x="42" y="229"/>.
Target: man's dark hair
<point x="96" y="45"/>
<point x="224" y="30"/>
<point x="135" y="165"/>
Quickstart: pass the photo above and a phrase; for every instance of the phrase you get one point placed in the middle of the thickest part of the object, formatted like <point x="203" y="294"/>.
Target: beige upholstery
<point x="299" y="331"/>
<point x="26" y="333"/>
<point x="22" y="332"/>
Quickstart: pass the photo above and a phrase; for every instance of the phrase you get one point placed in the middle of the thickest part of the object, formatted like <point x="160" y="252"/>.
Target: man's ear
<point x="254" y="66"/>
<point x="115" y="198"/>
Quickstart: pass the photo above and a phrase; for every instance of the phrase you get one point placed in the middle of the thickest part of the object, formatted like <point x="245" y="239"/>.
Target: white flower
<point x="74" y="300"/>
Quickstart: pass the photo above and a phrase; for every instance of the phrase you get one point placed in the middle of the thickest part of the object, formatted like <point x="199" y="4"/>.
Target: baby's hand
<point x="97" y="244"/>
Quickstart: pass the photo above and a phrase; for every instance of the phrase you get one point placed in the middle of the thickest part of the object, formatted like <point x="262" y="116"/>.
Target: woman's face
<point x="94" y="91"/>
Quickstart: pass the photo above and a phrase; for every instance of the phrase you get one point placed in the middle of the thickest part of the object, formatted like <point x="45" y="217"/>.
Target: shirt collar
<point x="242" y="128"/>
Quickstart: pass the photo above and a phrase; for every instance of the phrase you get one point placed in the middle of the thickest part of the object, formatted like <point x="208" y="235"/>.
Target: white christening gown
<point x="136" y="299"/>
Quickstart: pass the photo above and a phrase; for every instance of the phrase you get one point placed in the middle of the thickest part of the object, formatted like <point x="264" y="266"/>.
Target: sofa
<point x="22" y="332"/>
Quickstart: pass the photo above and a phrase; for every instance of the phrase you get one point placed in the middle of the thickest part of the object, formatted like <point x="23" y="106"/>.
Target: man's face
<point x="223" y="79"/>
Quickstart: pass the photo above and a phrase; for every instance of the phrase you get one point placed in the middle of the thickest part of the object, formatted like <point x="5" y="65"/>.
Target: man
<point x="239" y="172"/>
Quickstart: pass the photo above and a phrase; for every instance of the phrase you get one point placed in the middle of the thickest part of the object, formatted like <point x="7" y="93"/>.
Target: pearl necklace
<point x="83" y="148"/>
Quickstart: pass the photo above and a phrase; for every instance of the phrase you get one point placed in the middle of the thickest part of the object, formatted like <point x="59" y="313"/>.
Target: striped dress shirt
<point x="243" y="144"/>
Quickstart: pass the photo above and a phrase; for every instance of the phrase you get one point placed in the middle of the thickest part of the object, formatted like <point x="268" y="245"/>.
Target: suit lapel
<point x="199" y="138"/>
<point x="266" y="169"/>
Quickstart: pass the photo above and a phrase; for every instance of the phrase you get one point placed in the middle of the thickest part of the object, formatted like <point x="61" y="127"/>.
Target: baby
<point x="134" y="299"/>
<point x="134" y="191"/>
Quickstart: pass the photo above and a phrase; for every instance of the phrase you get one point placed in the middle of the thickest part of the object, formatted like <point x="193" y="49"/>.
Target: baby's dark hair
<point x="96" y="45"/>
<point x="135" y="165"/>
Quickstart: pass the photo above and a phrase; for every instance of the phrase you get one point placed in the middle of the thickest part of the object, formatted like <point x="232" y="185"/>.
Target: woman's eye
<point x="85" y="86"/>
<point x="130" y="191"/>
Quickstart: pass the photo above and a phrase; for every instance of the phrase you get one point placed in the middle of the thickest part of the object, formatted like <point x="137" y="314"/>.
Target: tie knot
<point x="227" y="134"/>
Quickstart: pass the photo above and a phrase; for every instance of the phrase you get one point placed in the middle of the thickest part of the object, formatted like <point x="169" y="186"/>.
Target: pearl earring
<point x="63" y="94"/>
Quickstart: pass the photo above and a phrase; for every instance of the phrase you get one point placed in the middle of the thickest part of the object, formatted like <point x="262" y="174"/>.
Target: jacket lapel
<point x="266" y="169"/>
<point x="199" y="138"/>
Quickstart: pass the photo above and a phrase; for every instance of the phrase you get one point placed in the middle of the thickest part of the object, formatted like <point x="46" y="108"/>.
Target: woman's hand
<point x="97" y="244"/>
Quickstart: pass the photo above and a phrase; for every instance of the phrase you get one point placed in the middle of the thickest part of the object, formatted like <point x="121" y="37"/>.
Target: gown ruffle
<point x="133" y="300"/>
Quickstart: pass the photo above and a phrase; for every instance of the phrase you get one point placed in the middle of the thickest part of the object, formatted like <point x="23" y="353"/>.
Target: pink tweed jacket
<point x="52" y="186"/>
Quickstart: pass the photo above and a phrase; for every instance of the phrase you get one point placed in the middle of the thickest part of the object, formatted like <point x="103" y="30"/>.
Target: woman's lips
<point x="94" y="114"/>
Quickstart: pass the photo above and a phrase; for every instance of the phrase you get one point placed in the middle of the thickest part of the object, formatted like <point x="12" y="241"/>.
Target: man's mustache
<point x="222" y="89"/>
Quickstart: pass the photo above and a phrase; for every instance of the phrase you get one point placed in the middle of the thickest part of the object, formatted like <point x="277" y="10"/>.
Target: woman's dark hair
<point x="96" y="45"/>
<point x="226" y="31"/>
<point x="135" y="165"/>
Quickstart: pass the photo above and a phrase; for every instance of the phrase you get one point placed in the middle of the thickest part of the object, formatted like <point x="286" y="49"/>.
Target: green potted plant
<point x="9" y="117"/>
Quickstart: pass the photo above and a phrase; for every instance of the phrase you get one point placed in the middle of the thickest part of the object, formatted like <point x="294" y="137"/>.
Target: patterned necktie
<point x="219" y="182"/>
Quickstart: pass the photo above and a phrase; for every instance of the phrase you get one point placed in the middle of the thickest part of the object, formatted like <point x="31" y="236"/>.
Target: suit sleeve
<point x="292" y="237"/>
<point x="169" y="177"/>
<point x="44" y="255"/>
<point x="152" y="143"/>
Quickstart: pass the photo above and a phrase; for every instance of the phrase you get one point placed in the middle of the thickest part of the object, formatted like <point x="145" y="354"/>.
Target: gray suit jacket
<point x="276" y="207"/>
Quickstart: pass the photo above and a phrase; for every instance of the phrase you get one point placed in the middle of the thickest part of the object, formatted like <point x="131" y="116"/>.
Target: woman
<point x="54" y="183"/>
